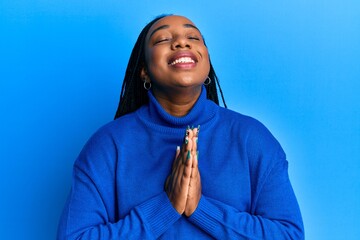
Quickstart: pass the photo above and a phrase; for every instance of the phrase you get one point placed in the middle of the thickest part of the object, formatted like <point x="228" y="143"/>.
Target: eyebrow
<point x="186" y="25"/>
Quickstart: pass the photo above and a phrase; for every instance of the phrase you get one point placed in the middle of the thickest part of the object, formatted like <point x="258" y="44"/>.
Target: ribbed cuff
<point x="159" y="214"/>
<point x="206" y="216"/>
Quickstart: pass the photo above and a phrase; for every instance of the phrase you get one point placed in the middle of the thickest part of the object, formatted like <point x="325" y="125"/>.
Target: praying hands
<point x="183" y="185"/>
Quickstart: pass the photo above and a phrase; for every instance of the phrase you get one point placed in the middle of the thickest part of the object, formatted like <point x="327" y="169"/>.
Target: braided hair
<point x="134" y="95"/>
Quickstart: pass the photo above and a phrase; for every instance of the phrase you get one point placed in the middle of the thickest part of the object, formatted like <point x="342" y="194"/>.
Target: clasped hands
<point x="183" y="185"/>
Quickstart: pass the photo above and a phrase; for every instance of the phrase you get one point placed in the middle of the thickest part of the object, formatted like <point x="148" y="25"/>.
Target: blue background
<point x="294" y="65"/>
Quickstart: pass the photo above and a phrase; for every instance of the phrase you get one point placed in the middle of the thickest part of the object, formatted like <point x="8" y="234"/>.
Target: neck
<point x="178" y="102"/>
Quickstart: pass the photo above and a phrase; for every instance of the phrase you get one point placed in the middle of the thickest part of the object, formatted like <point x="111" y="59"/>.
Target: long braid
<point x="133" y="95"/>
<point x="218" y="84"/>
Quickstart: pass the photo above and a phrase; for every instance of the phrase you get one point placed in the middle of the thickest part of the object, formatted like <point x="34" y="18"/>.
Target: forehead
<point x="169" y="22"/>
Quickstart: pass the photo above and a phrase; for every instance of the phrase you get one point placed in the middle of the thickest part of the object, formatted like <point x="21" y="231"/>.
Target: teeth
<point x="183" y="60"/>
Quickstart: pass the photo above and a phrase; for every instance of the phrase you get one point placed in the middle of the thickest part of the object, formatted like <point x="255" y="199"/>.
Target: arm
<point x="86" y="217"/>
<point x="276" y="214"/>
<point x="91" y="210"/>
<point x="273" y="211"/>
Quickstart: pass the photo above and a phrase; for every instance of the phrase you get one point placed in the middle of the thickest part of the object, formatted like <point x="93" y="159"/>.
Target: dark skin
<point x="177" y="64"/>
<point x="175" y="86"/>
<point x="183" y="185"/>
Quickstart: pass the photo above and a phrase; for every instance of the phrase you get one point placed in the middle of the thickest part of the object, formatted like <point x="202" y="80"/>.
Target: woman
<point x="131" y="181"/>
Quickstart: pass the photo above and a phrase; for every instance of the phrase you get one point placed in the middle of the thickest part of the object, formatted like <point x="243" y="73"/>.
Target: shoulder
<point x="115" y="128"/>
<point x="256" y="137"/>
<point x="236" y="117"/>
<point x="246" y="123"/>
<point x="104" y="142"/>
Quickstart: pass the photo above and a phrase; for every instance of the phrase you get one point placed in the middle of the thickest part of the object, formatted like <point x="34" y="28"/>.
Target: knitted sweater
<point x="118" y="179"/>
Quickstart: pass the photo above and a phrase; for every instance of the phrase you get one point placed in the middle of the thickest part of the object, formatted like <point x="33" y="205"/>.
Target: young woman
<point x="149" y="175"/>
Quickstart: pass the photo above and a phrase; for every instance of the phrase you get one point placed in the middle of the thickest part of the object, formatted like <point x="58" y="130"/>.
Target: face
<point x="175" y="55"/>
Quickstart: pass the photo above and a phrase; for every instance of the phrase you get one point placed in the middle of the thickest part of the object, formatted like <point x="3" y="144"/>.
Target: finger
<point x="177" y="152"/>
<point x="190" y="141"/>
<point x="195" y="168"/>
<point x="197" y="130"/>
<point x="180" y="155"/>
<point x="194" y="151"/>
<point x="180" y="185"/>
<point x="194" y="193"/>
<point x="188" y="136"/>
<point x="176" y="160"/>
<point x="185" y="168"/>
<point x="195" y="138"/>
<point x="195" y="184"/>
<point x="179" y="169"/>
<point x="187" y="150"/>
<point x="177" y="175"/>
<point x="185" y="180"/>
<point x="194" y="146"/>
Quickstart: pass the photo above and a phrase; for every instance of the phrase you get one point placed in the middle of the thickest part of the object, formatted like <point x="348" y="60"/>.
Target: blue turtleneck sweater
<point x="118" y="180"/>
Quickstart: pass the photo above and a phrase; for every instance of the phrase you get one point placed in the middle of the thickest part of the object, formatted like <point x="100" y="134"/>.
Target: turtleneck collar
<point x="153" y="114"/>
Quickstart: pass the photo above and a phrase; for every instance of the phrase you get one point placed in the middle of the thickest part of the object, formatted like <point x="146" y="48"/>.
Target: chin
<point x="189" y="85"/>
<point x="189" y="82"/>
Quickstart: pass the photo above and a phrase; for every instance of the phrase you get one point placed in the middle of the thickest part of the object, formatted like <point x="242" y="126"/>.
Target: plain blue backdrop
<point x="294" y="65"/>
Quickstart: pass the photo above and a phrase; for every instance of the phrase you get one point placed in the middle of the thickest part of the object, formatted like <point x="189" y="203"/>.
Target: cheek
<point x="156" y="64"/>
<point x="206" y="61"/>
<point x="150" y="57"/>
<point x="154" y="59"/>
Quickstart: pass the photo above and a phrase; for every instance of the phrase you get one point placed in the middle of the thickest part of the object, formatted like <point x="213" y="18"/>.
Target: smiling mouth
<point x="182" y="60"/>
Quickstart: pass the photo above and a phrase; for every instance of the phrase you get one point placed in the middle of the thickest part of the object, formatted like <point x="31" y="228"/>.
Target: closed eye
<point x="162" y="40"/>
<point x="194" y="38"/>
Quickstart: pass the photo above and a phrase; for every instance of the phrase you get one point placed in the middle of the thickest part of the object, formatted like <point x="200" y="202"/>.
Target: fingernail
<point x="177" y="148"/>
<point x="192" y="127"/>
<point x="187" y="131"/>
<point x="198" y="130"/>
<point x="188" y="155"/>
<point x="186" y="140"/>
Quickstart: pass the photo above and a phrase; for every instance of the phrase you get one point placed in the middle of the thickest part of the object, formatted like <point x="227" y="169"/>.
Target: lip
<point x="182" y="54"/>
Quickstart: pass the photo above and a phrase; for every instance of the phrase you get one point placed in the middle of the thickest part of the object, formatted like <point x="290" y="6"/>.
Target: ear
<point x="144" y="75"/>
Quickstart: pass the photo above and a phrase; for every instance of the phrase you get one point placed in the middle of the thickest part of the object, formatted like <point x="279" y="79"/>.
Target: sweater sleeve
<point x="276" y="213"/>
<point x="91" y="211"/>
<point x="86" y="217"/>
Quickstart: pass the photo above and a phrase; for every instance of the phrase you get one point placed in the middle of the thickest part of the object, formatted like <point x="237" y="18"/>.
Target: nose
<point x="180" y="42"/>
